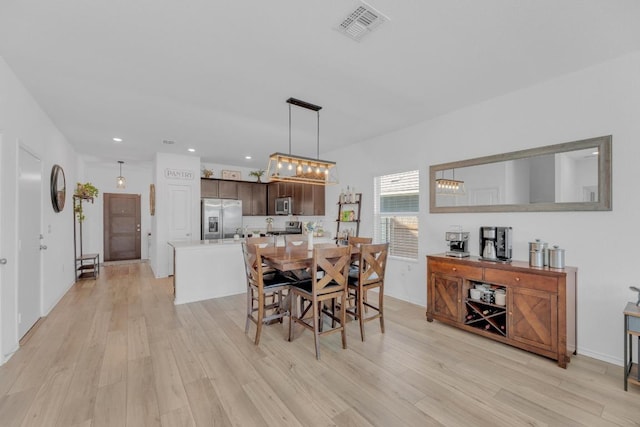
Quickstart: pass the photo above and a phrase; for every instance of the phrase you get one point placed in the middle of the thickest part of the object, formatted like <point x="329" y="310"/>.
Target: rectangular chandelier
<point x="306" y="170"/>
<point x="450" y="187"/>
<point x="292" y="168"/>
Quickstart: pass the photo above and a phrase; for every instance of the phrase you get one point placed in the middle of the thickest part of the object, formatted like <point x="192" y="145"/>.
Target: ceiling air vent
<point x="361" y="21"/>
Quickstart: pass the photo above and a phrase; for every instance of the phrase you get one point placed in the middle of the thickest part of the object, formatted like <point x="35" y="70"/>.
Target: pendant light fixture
<point x="121" y="181"/>
<point x="294" y="168"/>
<point x="450" y="187"/>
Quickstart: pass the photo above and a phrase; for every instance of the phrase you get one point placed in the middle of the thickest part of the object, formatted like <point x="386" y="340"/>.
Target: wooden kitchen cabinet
<point x="209" y="188"/>
<point x="540" y="310"/>
<point x="254" y="198"/>
<point x="307" y="199"/>
<point x="228" y="189"/>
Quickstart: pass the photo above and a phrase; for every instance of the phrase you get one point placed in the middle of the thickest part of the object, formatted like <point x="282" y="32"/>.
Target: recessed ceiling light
<point x="117" y="139"/>
<point x="191" y="150"/>
<point x="247" y="157"/>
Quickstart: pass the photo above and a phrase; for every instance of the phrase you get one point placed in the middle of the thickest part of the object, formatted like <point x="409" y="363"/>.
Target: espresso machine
<point x="495" y="243"/>
<point x="458" y="242"/>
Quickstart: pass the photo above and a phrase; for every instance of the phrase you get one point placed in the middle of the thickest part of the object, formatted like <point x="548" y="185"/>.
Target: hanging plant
<point x="84" y="191"/>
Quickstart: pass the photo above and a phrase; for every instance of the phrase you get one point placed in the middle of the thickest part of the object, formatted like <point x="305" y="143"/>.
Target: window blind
<point x="396" y="207"/>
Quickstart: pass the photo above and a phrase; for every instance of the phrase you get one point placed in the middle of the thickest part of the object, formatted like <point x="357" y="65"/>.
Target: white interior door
<point x="180" y="206"/>
<point x="29" y="232"/>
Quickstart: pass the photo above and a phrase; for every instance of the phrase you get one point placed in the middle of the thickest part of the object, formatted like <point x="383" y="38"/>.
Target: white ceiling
<point x="214" y="75"/>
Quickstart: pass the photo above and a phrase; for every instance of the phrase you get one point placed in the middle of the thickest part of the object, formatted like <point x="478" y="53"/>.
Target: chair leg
<point x="316" y="331"/>
<point x="292" y="314"/>
<point x="361" y="298"/>
<point x="249" y="308"/>
<point x="380" y="306"/>
<point x="343" y="319"/>
<point x="260" y="318"/>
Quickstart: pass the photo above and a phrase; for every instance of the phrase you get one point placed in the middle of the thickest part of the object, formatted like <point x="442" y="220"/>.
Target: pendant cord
<point x="289" y="129"/>
<point x="318" y="144"/>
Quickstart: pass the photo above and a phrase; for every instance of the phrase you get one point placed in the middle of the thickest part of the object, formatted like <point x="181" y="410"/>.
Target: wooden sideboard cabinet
<point x="539" y="314"/>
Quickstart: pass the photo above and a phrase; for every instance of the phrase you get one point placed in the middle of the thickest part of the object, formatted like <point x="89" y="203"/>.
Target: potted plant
<point x="86" y="191"/>
<point x="258" y="174"/>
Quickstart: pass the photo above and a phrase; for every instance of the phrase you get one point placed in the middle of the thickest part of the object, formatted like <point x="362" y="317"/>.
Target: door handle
<point x="43" y="247"/>
<point x="3" y="261"/>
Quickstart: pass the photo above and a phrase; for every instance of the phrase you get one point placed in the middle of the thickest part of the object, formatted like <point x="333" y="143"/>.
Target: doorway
<point x="29" y="241"/>
<point x="121" y="227"/>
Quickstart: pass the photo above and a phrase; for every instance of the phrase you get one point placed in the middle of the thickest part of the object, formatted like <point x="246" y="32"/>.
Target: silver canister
<point x="556" y="257"/>
<point x="536" y="258"/>
<point x="543" y="247"/>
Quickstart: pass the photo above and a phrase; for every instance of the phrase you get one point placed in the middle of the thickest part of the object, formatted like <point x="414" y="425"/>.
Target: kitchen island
<point x="205" y="269"/>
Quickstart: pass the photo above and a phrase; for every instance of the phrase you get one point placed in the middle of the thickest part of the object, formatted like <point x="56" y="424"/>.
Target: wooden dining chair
<point x="262" y="241"/>
<point x="295" y="240"/>
<point x="354" y="268"/>
<point x="328" y="282"/>
<point x="372" y="266"/>
<point x="265" y="290"/>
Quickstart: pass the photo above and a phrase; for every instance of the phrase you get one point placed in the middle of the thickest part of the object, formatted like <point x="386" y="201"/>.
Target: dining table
<point x="286" y="258"/>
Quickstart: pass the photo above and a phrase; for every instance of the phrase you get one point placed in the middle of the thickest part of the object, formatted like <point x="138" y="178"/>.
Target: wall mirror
<point x="573" y="176"/>
<point x="58" y="188"/>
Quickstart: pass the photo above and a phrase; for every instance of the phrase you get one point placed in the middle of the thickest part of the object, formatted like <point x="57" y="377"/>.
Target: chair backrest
<point x="373" y="263"/>
<point x="263" y="242"/>
<point x="333" y="262"/>
<point x="357" y="241"/>
<point x="295" y="240"/>
<point x="253" y="264"/>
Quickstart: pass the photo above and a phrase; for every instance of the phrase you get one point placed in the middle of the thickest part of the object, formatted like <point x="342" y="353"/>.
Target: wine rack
<point x="486" y="316"/>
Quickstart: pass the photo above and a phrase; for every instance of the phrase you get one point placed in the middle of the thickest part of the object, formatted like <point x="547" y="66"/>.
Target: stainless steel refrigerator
<point x="221" y="218"/>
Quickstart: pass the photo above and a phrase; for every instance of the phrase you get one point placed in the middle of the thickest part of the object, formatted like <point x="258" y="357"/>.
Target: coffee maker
<point x="495" y="243"/>
<point x="458" y="243"/>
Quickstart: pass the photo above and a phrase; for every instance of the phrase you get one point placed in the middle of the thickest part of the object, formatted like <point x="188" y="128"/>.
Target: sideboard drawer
<point x="455" y="269"/>
<point x="513" y="278"/>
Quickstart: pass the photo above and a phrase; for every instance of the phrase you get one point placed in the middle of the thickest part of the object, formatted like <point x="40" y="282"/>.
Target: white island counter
<point x="205" y="269"/>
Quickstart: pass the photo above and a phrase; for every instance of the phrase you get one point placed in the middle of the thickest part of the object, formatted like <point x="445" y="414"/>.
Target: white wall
<point x="103" y="177"/>
<point x="600" y="100"/>
<point x="22" y="122"/>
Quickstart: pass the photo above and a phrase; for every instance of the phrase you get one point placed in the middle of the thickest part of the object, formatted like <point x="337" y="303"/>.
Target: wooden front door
<point x="121" y="226"/>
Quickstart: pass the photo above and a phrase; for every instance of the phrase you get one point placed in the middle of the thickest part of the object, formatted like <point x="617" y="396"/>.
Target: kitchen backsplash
<point x="260" y="223"/>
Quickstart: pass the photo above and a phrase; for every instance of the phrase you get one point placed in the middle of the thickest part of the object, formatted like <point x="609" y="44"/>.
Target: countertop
<point x="200" y="243"/>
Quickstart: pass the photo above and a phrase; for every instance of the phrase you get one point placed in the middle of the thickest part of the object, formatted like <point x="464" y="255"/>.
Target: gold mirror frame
<point x="58" y="187"/>
<point x="603" y="203"/>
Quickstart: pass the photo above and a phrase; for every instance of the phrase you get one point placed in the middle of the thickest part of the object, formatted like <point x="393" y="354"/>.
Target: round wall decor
<point x="58" y="188"/>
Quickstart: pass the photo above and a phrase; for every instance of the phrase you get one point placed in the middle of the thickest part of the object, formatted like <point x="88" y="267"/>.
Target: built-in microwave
<point x="284" y="206"/>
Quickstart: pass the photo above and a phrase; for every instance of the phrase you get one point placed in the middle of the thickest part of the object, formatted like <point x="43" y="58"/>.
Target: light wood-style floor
<point x="116" y="351"/>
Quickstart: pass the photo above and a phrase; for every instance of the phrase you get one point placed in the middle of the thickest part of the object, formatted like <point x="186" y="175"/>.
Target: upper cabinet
<point x="228" y="189"/>
<point x="307" y="199"/>
<point x="259" y="199"/>
<point x="252" y="194"/>
<point x="209" y="188"/>
<point x="254" y="198"/>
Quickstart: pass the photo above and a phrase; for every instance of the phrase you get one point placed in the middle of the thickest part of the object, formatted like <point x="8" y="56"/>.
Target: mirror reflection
<point x="570" y="176"/>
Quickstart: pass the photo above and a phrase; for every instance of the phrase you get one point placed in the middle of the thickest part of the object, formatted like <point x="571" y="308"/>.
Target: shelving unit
<point x="85" y="265"/>
<point x="348" y="213"/>
<point x="631" y="330"/>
